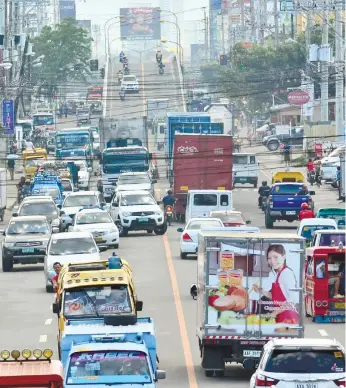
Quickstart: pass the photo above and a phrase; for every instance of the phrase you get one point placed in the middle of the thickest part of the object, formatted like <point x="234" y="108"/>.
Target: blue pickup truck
<point x="284" y="203"/>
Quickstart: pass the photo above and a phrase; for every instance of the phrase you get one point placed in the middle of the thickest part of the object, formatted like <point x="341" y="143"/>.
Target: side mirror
<point x="250" y="364"/>
<point x="62" y="212"/>
<point x="59" y="206"/>
<point x="55" y="308"/>
<point x="139" y="305"/>
<point x="2" y="231"/>
<point x="55" y="230"/>
<point x="89" y="169"/>
<point x="103" y="204"/>
<point x="193" y="291"/>
<point x="180" y="230"/>
<point x="154" y="181"/>
<point x="103" y="248"/>
<point x="312" y="193"/>
<point x="15" y="214"/>
<point x="15" y="207"/>
<point x="160" y="374"/>
<point x="248" y="222"/>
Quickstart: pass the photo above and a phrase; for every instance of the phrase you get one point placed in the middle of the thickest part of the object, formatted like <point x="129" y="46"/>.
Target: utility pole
<point x="223" y="33"/>
<point x="242" y="14"/>
<point x="253" y="21"/>
<point x="276" y="24"/>
<point x="339" y="93"/>
<point x="325" y="72"/>
<point x="205" y="22"/>
<point x="345" y="77"/>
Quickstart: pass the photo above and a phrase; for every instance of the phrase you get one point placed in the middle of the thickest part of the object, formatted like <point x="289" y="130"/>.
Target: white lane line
<point x="49" y="321"/>
<point x="323" y="333"/>
<point x="266" y="174"/>
<point x="43" y="338"/>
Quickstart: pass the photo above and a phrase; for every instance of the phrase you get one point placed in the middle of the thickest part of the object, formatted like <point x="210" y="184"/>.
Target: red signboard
<point x="298" y="97"/>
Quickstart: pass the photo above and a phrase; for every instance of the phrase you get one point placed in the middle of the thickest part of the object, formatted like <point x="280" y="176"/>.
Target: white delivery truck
<point x="249" y="290"/>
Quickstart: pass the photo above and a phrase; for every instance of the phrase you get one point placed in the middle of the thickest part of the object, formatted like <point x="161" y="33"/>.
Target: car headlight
<point x="9" y="245"/>
<point x="56" y="222"/>
<point x="158" y="213"/>
<point x="114" y="230"/>
<point x="126" y="214"/>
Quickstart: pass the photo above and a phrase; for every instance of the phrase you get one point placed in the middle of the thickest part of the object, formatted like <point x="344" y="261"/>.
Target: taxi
<point x="324" y="283"/>
<point x="288" y="176"/>
<point x="99" y="223"/>
<point x="32" y="160"/>
<point x="94" y="290"/>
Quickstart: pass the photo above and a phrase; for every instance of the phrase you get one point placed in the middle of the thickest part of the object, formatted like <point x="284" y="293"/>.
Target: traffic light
<point x="102" y="72"/>
<point x="223" y="60"/>
<point x="94" y="65"/>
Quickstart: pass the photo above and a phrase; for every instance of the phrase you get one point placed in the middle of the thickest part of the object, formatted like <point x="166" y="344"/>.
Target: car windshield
<point x="286" y="189"/>
<point x="66" y="185"/>
<point x="93" y="218"/>
<point x="82" y="111"/>
<point x="204" y="224"/>
<point x="28" y="227"/>
<point x="133" y="179"/>
<point x="226" y="217"/>
<point x="326" y="239"/>
<point x="337" y="152"/>
<point x="75" y="246"/>
<point x="34" y="162"/>
<point x="80" y="200"/>
<point x="38" y="209"/>
<point x="137" y="199"/>
<point x="309" y="230"/>
<point x="109" y="368"/>
<point x="43" y="120"/>
<point x="53" y="192"/>
<point x="306" y="361"/>
<point x="129" y="79"/>
<point x="96" y="301"/>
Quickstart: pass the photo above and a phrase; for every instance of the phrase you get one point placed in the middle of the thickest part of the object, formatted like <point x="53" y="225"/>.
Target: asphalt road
<point x="162" y="279"/>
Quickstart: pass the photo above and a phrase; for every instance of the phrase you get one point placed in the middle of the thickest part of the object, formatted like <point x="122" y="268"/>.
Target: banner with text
<point x="67" y="9"/>
<point x="142" y="23"/>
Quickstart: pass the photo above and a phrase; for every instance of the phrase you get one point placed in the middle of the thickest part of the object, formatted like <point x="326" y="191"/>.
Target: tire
<point x="269" y="223"/>
<point x="273" y="146"/>
<point x="7" y="265"/>
<point x="161" y="231"/>
<point x="49" y="289"/>
<point x="149" y="231"/>
<point x="209" y="373"/>
<point x="255" y="185"/>
<point x="183" y="256"/>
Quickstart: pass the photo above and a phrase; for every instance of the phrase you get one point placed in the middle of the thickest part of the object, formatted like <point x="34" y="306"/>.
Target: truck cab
<point x="200" y="203"/>
<point x="326" y="238"/>
<point x="245" y="169"/>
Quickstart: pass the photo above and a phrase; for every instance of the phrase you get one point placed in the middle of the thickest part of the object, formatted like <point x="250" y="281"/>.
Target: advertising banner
<point x="142" y="23"/>
<point x="67" y="9"/>
<point x="255" y="289"/>
<point x="8" y="116"/>
<point x="197" y="53"/>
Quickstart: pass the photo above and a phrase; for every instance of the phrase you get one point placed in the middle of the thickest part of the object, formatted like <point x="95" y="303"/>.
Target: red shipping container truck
<point x="200" y="162"/>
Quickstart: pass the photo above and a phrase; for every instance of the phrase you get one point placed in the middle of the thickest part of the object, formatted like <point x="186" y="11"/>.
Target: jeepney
<point x="96" y="289"/>
<point x="335" y="213"/>
<point x="33" y="159"/>
<point x="30" y="369"/>
<point x="288" y="176"/>
<point x="324" y="284"/>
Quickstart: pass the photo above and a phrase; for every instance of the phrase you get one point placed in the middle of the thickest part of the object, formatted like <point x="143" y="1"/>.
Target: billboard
<point x="142" y="23"/>
<point x="8" y="116"/>
<point x="86" y="24"/>
<point x="197" y="53"/>
<point x="67" y="9"/>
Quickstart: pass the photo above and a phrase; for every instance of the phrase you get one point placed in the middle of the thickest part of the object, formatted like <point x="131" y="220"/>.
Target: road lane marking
<point x="323" y="333"/>
<point x="49" y="321"/>
<point x="43" y="338"/>
<point x="266" y="174"/>
<point x="180" y="315"/>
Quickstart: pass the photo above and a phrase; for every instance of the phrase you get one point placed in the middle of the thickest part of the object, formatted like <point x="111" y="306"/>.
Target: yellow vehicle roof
<point x="288" y="176"/>
<point x="95" y="273"/>
<point x="31" y="153"/>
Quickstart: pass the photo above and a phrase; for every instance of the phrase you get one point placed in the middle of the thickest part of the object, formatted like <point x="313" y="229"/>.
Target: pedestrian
<point x="287" y="154"/>
<point x="338" y="180"/>
<point x="65" y="110"/>
<point x="10" y="166"/>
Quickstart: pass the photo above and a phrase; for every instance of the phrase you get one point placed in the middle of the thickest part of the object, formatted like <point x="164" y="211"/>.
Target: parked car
<point x="294" y="139"/>
<point x="330" y="163"/>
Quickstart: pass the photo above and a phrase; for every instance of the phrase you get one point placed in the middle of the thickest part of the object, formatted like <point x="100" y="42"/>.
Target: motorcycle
<point x="263" y="202"/>
<point x="161" y="70"/>
<point x="312" y="177"/>
<point x="122" y="95"/>
<point x="318" y="180"/>
<point x="120" y="77"/>
<point x="169" y="214"/>
<point x="127" y="71"/>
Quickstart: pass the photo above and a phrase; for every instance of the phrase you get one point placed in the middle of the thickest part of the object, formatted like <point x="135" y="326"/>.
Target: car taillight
<point x="309" y="199"/>
<point x="186" y="237"/>
<point x="263" y="381"/>
<point x="340" y="383"/>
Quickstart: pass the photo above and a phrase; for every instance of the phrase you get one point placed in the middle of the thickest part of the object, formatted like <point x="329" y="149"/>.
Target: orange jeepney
<point x="324" y="284"/>
<point x="30" y="370"/>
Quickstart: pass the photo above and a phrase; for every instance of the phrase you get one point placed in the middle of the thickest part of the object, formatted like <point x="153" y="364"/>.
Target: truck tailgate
<point x="285" y="202"/>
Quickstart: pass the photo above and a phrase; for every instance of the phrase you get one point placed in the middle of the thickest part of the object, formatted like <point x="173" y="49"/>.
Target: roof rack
<point x="87" y="267"/>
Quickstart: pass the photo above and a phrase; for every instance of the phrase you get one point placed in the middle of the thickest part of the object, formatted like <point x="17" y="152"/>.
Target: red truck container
<point x="200" y="162"/>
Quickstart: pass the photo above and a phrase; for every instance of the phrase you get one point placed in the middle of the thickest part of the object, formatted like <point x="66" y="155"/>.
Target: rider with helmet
<point x="306" y="212"/>
<point x="158" y="56"/>
<point x="121" y="56"/>
<point x="263" y="191"/>
<point x="168" y="199"/>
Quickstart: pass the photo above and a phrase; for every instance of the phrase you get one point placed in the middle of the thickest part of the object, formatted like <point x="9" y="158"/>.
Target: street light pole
<point x="176" y="22"/>
<point x="181" y="48"/>
<point x="178" y="34"/>
<point x="106" y="31"/>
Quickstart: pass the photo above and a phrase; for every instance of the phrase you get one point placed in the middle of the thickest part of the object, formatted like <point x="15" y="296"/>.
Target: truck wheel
<point x="255" y="185"/>
<point x="149" y="231"/>
<point x="161" y="231"/>
<point x="7" y="265"/>
<point x="269" y="223"/>
<point x="209" y="373"/>
<point x="273" y="145"/>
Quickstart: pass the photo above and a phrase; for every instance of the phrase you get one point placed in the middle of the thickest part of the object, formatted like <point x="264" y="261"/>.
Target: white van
<point x="308" y="226"/>
<point x="245" y="169"/>
<point x="200" y="203"/>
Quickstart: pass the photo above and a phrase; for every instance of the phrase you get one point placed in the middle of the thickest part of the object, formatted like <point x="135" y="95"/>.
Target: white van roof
<point x="318" y="221"/>
<point x="209" y="191"/>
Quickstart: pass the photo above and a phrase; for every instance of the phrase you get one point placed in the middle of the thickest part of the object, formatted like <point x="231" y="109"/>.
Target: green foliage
<point x="63" y="45"/>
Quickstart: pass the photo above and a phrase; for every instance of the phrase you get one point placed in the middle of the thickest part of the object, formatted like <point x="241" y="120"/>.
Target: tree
<point x="66" y="48"/>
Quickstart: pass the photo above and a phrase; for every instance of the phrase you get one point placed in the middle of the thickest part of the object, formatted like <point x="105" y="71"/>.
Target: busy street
<point x="162" y="278"/>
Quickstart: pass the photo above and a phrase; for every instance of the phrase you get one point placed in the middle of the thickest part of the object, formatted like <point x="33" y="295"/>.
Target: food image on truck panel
<point x="253" y="289"/>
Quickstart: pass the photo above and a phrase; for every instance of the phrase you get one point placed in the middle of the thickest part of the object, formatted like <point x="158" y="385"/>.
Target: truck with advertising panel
<point x="156" y="108"/>
<point x="74" y="142"/>
<point x="249" y="290"/>
<point x="200" y="162"/>
<point x="30" y="369"/>
<point x="110" y="351"/>
<point x="93" y="290"/>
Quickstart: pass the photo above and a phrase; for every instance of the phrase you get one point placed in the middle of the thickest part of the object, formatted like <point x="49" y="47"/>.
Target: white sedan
<point x="130" y="83"/>
<point x="189" y="235"/>
<point x="299" y="363"/>
<point x="99" y="223"/>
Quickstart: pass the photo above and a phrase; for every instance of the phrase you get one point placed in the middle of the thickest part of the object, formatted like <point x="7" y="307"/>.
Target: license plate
<point x="143" y="219"/>
<point x="98" y="239"/>
<point x="28" y="250"/>
<point x="306" y="385"/>
<point x="339" y="305"/>
<point x="252" y="353"/>
<point x="291" y="213"/>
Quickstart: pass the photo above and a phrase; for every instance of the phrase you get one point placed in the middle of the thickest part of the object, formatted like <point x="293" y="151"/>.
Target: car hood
<point x="71" y="210"/>
<point x="94" y="227"/>
<point x="332" y="159"/>
<point x="26" y="237"/>
<point x="140" y="208"/>
<point x="83" y="174"/>
<point x="142" y="186"/>
<point x="66" y="259"/>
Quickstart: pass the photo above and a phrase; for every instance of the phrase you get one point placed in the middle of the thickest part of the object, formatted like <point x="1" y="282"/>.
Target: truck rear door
<point x="202" y="204"/>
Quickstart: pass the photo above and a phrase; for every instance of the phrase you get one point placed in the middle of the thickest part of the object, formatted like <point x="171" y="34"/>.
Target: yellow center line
<point x="176" y="294"/>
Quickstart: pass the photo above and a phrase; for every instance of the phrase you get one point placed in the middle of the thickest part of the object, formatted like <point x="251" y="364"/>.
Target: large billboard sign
<point x="142" y="23"/>
<point x="67" y="9"/>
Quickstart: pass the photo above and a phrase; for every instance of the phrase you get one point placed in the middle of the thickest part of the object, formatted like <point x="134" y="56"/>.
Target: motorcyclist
<point x="303" y="191"/>
<point x="20" y="186"/>
<point x="121" y="56"/>
<point x="309" y="167"/>
<point x="26" y="189"/>
<point x="263" y="191"/>
<point x="122" y="94"/>
<point x="168" y="199"/>
<point x="120" y="74"/>
<point x="306" y="212"/>
<point x="125" y="61"/>
<point x="317" y="166"/>
<point x="158" y="56"/>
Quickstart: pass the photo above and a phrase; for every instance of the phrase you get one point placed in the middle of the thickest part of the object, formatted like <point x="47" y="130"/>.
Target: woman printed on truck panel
<point x="282" y="279"/>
